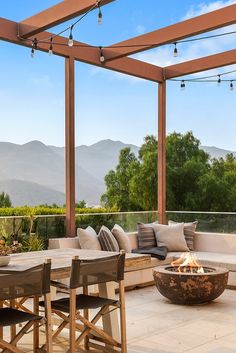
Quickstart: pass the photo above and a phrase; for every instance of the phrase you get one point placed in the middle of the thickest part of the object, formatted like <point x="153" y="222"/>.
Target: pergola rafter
<point x="170" y="34"/>
<point x="201" y="64"/>
<point x="81" y="52"/>
<point x="59" y="13"/>
<point x="116" y="60"/>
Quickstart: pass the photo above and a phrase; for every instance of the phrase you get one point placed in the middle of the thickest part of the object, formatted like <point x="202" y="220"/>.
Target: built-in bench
<point x="213" y="249"/>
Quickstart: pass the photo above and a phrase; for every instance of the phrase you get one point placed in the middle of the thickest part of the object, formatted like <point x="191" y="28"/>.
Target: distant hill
<point x="26" y="193"/>
<point x="41" y="165"/>
<point x="216" y="152"/>
<point x="34" y="173"/>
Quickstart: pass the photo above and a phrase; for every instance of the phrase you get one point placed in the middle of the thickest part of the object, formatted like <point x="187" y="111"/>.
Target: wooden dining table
<point x="61" y="260"/>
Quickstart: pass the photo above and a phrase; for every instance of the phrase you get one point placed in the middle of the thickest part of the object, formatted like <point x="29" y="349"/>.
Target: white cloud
<point x="202" y="8"/>
<point x="163" y="56"/>
<point x="140" y="29"/>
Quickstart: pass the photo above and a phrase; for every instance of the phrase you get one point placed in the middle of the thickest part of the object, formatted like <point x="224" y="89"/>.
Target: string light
<point x="99" y="12"/>
<point x="70" y="39"/>
<point x="175" y="50"/>
<point x="219" y="80"/>
<point x="34" y="47"/>
<point x="102" y="58"/>
<point x="50" y="52"/>
<point x="182" y="85"/>
<point x="231" y="86"/>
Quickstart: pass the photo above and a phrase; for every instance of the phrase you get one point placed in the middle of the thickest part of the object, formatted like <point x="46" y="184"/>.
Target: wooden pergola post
<point x="70" y="144"/>
<point x="162" y="152"/>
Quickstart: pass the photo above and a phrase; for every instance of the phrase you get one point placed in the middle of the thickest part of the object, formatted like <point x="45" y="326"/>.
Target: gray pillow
<point x="107" y="240"/>
<point x="122" y="238"/>
<point x="88" y="239"/>
<point x="172" y="236"/>
<point x="146" y="235"/>
<point x="189" y="232"/>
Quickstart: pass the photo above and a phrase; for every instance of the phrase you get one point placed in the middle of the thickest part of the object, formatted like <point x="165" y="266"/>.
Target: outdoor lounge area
<point x="103" y="293"/>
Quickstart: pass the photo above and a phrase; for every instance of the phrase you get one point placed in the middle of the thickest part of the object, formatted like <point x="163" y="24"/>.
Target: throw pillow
<point x="122" y="238"/>
<point x="107" y="240"/>
<point x="88" y="239"/>
<point x="172" y="236"/>
<point x="146" y="235"/>
<point x="189" y="232"/>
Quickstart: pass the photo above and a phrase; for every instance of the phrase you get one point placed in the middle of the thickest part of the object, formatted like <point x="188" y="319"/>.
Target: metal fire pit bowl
<point x="190" y="288"/>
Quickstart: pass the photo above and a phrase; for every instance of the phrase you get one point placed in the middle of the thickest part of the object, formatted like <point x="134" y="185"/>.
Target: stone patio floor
<point x="156" y="326"/>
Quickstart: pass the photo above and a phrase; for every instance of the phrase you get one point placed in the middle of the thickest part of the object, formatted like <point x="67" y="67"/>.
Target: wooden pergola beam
<point x="82" y="52"/>
<point x="201" y="64"/>
<point x="194" y="26"/>
<point x="55" y="15"/>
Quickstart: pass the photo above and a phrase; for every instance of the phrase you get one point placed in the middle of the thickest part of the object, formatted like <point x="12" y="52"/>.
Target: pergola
<point x="117" y="59"/>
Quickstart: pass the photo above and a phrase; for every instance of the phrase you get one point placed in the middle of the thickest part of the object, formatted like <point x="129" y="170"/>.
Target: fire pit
<point x="186" y="282"/>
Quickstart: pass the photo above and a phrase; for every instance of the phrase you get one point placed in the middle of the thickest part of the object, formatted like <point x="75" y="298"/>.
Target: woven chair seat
<point x="82" y="302"/>
<point x="10" y="316"/>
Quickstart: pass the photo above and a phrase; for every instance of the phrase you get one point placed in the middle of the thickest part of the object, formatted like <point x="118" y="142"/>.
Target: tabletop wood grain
<point x="61" y="260"/>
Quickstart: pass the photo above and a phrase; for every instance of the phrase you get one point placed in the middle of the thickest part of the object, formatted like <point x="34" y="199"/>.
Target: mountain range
<point x="34" y="173"/>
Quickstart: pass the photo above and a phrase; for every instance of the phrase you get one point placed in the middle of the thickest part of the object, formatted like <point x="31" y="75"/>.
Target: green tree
<point x="219" y="186"/>
<point x="133" y="186"/>
<point x="186" y="163"/>
<point x="118" y="182"/>
<point x="5" y="200"/>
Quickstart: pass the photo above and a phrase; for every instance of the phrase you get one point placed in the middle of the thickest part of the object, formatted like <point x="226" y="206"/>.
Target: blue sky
<point x="111" y="105"/>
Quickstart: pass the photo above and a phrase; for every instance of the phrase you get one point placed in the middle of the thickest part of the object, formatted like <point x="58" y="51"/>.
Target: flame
<point x="188" y="263"/>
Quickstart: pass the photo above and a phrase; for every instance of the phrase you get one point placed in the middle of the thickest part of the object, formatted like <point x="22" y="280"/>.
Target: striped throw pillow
<point x="107" y="240"/>
<point x="189" y="232"/>
<point x="146" y="235"/>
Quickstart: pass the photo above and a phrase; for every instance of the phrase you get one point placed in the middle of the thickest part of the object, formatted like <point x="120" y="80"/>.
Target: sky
<point x="111" y="105"/>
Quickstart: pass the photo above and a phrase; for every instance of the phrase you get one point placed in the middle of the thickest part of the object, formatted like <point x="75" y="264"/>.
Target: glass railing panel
<point x="214" y="222"/>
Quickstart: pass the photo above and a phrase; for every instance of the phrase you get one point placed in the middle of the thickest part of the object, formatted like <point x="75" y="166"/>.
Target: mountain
<point x="34" y="173"/>
<point x="27" y="193"/>
<point x="25" y="168"/>
<point x="216" y="152"/>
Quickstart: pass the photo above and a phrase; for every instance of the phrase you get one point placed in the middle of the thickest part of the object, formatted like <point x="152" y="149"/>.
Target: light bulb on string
<point x="175" y="53"/>
<point x="70" y="39"/>
<point x="34" y="47"/>
<point x="102" y="58"/>
<point x="182" y="85"/>
<point x="50" y="52"/>
<point x="231" y="86"/>
<point x="99" y="13"/>
<point x="218" y="81"/>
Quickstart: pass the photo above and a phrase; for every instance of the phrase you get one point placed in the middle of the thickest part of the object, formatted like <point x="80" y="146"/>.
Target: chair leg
<point x="13" y="327"/>
<point x="36" y="324"/>
<point x="122" y="318"/>
<point x="72" y="321"/>
<point x="1" y="328"/>
<point x="86" y="315"/>
<point x="6" y="345"/>
<point x="48" y="313"/>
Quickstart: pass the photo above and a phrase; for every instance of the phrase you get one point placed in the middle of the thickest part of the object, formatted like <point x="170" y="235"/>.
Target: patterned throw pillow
<point x="146" y="235"/>
<point x="189" y="232"/>
<point x="122" y="238"/>
<point x="107" y="240"/>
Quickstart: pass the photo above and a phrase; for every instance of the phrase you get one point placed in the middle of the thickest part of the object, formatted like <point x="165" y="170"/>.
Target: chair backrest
<point x="25" y="282"/>
<point x="100" y="270"/>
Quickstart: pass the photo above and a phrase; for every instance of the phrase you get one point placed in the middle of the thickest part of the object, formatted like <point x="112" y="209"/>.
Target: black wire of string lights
<point x="70" y="43"/>
<point x="35" y="41"/>
<point x="208" y="79"/>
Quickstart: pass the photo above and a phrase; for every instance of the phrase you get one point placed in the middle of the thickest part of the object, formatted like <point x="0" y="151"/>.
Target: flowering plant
<point x="9" y="249"/>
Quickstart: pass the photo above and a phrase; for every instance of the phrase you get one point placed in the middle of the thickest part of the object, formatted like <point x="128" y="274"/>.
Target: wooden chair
<point x="83" y="274"/>
<point x="22" y="283"/>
